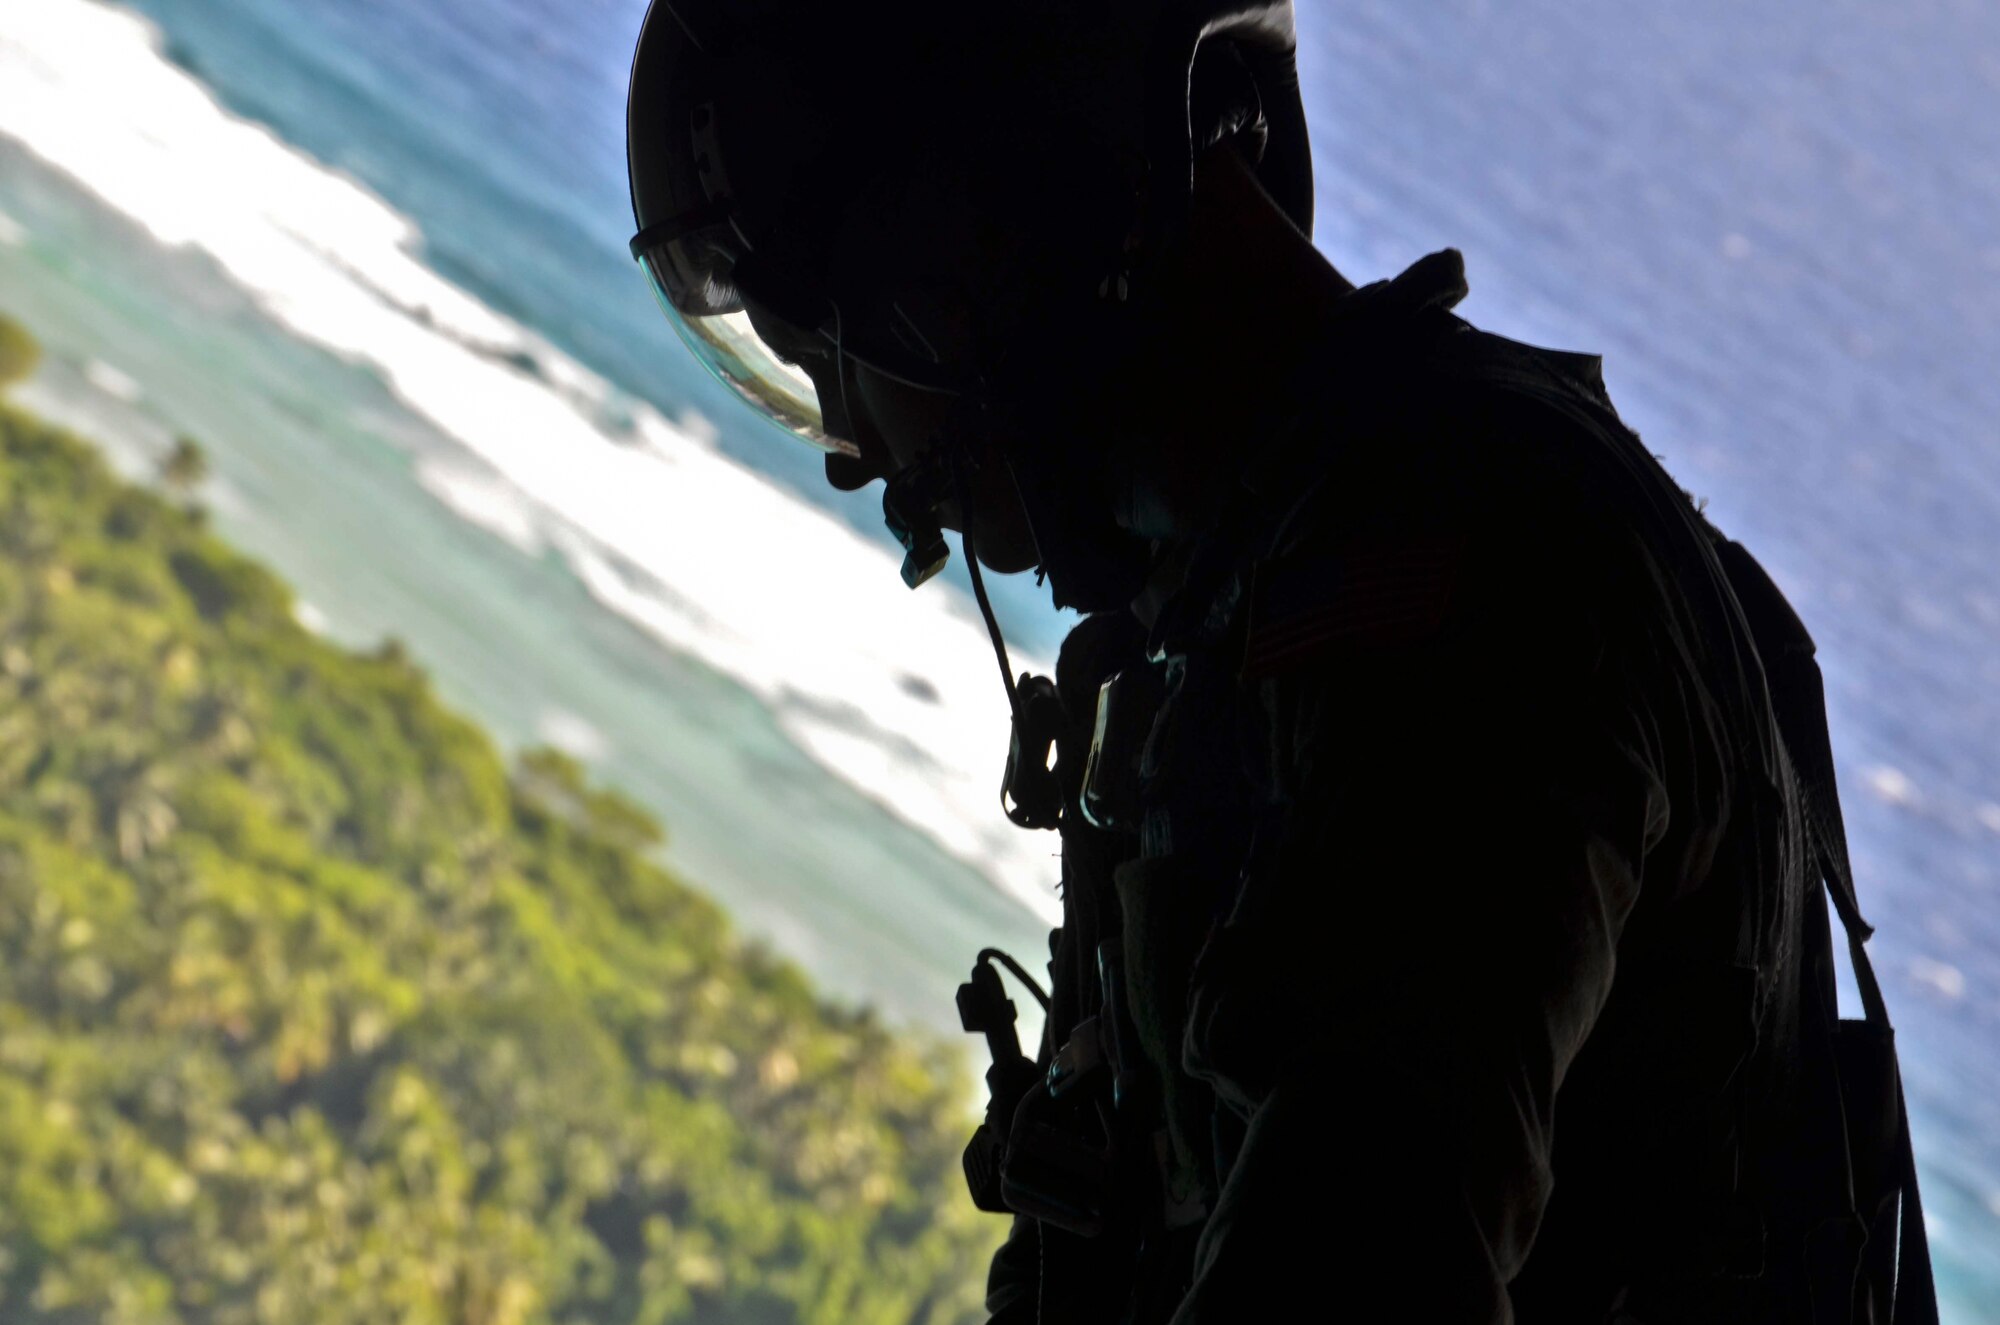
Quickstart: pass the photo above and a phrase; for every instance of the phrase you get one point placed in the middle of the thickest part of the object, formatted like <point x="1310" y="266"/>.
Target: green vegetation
<point x="18" y="352"/>
<point x="311" y="1011"/>
<point x="184" y="467"/>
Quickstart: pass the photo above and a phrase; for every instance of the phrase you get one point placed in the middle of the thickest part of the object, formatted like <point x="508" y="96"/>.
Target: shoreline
<point x="811" y="609"/>
<point x="142" y="345"/>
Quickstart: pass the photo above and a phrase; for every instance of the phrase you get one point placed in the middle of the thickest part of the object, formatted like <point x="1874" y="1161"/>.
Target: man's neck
<point x="1251" y="294"/>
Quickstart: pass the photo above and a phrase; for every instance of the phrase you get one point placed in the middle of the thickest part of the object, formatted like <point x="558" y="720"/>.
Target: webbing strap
<point x="1918" y="1306"/>
<point x="1798" y="700"/>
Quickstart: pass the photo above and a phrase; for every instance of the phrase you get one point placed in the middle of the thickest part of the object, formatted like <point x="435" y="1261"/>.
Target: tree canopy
<point x="313" y="1010"/>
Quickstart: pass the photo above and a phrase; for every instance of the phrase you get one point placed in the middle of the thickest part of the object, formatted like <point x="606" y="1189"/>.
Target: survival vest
<point x="1086" y="1143"/>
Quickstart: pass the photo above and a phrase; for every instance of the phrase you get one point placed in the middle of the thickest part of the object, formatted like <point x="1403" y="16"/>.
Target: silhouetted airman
<point x="1444" y="802"/>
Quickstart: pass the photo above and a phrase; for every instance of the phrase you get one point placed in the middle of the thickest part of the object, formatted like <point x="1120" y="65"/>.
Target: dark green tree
<point x="184" y="467"/>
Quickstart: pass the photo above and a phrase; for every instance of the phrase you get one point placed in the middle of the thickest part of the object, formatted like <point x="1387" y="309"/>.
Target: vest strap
<point x="1798" y="700"/>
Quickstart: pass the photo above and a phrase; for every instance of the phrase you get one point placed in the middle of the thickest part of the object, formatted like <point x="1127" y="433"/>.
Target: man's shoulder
<point x="1484" y="484"/>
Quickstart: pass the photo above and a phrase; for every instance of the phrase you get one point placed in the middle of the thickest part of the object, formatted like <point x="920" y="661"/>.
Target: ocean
<point x="372" y="255"/>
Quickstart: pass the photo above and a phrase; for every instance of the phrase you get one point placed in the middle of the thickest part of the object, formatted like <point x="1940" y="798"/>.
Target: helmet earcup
<point x="1224" y="102"/>
<point x="1285" y="166"/>
<point x="1243" y="87"/>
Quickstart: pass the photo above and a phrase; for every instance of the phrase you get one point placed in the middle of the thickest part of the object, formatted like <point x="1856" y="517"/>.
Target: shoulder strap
<point x="1798" y="700"/>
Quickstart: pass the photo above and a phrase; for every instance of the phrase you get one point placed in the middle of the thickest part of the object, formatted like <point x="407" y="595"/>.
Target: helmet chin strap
<point x="959" y="487"/>
<point x="1031" y="794"/>
<point x="910" y="501"/>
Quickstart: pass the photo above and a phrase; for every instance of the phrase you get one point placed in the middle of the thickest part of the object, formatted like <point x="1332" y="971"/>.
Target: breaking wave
<point x="892" y="692"/>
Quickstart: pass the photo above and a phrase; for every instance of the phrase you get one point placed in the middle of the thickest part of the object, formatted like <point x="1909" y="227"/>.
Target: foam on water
<point x="708" y="556"/>
<point x="111" y="381"/>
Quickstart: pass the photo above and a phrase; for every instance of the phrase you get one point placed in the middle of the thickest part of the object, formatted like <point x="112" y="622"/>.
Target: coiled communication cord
<point x="995" y="955"/>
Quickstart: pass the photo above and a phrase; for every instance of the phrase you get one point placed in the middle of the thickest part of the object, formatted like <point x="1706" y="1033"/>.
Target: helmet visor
<point x="772" y="381"/>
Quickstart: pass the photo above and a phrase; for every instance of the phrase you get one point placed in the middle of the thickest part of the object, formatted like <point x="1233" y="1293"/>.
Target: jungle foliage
<point x="312" y="1010"/>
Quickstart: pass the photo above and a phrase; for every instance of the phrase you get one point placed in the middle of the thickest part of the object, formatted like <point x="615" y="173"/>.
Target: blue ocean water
<point x="1775" y="220"/>
<point x="499" y="128"/>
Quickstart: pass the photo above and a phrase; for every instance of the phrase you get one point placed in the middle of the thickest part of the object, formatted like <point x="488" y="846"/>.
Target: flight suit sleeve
<point x="1014" y="1276"/>
<point x="1465" y="746"/>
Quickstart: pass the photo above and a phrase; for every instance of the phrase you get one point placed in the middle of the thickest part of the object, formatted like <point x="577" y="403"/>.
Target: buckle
<point x="1030" y="792"/>
<point x="1126" y="706"/>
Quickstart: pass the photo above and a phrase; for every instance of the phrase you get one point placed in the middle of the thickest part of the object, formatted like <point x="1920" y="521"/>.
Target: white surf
<point x="710" y="557"/>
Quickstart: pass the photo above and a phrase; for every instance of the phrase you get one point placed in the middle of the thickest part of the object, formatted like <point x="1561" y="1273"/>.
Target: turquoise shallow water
<point x="315" y="472"/>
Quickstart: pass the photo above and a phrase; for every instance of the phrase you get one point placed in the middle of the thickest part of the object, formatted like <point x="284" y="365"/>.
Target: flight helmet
<point x="927" y="188"/>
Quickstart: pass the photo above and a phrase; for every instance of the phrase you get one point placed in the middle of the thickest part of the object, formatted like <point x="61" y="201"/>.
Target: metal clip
<point x="1127" y="704"/>
<point x="1030" y="792"/>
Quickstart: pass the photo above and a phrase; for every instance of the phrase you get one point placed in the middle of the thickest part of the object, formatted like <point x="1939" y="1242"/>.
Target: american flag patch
<point x="1365" y="598"/>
